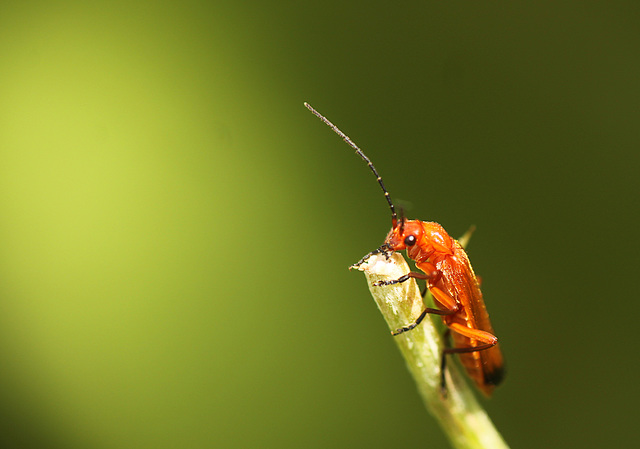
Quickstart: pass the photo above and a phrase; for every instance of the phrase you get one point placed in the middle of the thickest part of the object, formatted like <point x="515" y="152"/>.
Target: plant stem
<point x="462" y="418"/>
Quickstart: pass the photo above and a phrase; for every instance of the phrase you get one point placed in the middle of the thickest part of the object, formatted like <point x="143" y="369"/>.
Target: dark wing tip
<point x="495" y="376"/>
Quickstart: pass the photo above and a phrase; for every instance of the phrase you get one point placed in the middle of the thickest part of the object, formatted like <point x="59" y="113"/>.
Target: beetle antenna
<point x="394" y="216"/>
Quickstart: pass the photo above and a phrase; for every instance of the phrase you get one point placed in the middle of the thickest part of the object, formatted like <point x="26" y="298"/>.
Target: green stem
<point x="462" y="418"/>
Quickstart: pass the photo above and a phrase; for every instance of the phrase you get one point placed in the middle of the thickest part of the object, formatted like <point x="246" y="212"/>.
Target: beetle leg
<point x="365" y="258"/>
<point x="420" y="318"/>
<point x="443" y="361"/>
<point x="443" y="299"/>
<point x="384" y="249"/>
<point x="449" y="304"/>
<point x="487" y="339"/>
<point x="430" y="272"/>
<point x="404" y="278"/>
<point x="434" y="276"/>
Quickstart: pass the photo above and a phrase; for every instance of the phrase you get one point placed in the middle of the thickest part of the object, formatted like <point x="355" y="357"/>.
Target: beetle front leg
<point x="401" y="279"/>
<point x="384" y="250"/>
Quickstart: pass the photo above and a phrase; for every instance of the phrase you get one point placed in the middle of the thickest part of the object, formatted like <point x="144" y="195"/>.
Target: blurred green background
<point x="176" y="227"/>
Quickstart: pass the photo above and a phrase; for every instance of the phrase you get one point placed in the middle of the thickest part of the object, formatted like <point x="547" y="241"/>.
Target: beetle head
<point x="404" y="235"/>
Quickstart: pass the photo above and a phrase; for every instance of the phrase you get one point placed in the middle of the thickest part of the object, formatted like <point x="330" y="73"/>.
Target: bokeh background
<point x="176" y="228"/>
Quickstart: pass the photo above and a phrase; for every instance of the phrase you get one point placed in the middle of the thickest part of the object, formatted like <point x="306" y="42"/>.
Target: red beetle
<point x="452" y="283"/>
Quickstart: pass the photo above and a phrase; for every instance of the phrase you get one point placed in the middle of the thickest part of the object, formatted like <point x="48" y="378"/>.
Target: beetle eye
<point x="410" y="240"/>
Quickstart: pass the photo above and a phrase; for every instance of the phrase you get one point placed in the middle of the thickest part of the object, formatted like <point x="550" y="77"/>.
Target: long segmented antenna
<point x="394" y="216"/>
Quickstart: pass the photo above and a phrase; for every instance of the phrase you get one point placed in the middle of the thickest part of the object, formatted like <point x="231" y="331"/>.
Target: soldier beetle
<point x="450" y="280"/>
